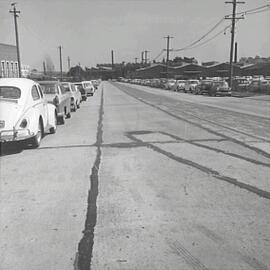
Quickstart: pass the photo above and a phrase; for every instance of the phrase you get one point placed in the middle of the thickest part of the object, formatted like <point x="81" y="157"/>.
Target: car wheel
<point x="36" y="140"/>
<point x="68" y="115"/>
<point x="53" y="129"/>
<point x="75" y="107"/>
<point x="61" y="120"/>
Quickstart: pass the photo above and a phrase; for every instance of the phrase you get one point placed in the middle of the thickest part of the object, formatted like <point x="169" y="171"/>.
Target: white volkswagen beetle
<point x="25" y="115"/>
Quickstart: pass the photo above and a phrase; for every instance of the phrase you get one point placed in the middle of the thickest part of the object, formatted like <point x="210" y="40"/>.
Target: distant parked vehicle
<point x="190" y="85"/>
<point x="169" y="85"/>
<point x="240" y="84"/>
<point x="56" y="94"/>
<point x="79" y="87"/>
<point x="203" y="87"/>
<point x="75" y="95"/>
<point x="89" y="88"/>
<point x="25" y="115"/>
<point x="95" y="84"/>
<point x="259" y="86"/>
<point x="180" y="85"/>
<point x="220" y="88"/>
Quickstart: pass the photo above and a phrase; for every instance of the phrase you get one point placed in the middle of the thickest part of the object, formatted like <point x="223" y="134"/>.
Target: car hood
<point x="10" y="112"/>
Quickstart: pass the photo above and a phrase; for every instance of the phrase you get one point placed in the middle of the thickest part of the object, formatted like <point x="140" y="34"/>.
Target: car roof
<point x="49" y="82"/>
<point x="21" y="83"/>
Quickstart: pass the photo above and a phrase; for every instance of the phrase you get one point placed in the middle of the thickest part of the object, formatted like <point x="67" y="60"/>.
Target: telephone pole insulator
<point x="15" y="14"/>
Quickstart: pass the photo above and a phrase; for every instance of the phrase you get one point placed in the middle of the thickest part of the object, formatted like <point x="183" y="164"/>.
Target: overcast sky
<point x="88" y="30"/>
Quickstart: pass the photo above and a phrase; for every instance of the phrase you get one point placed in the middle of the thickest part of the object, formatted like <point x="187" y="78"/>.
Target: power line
<point x="253" y="9"/>
<point x="246" y="12"/>
<point x="202" y="37"/>
<point x="159" y="54"/>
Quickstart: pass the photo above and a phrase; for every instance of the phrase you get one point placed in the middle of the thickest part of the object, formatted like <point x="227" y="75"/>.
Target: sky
<point x="89" y="29"/>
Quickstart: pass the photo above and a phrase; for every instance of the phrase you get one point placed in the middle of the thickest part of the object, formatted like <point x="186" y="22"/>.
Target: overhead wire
<point x="161" y="52"/>
<point x="246" y="12"/>
<point x="202" y="37"/>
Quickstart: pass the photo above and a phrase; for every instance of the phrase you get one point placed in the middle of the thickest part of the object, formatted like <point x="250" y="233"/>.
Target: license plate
<point x="2" y="123"/>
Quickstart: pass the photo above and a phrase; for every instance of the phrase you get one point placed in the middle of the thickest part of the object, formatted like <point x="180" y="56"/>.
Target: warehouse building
<point x="8" y="61"/>
<point x="222" y="70"/>
<point x="256" y="69"/>
<point x="150" y="72"/>
<point x="189" y="71"/>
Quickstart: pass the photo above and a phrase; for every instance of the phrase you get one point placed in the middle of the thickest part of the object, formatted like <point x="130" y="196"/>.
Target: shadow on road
<point x="10" y="148"/>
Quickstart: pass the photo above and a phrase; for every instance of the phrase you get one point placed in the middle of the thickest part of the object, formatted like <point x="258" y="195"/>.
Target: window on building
<point x="3" y="75"/>
<point x="16" y="71"/>
<point x="35" y="94"/>
<point x="12" y="69"/>
<point x="7" y="70"/>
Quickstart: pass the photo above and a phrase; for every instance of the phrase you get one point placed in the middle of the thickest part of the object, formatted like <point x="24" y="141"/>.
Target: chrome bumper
<point x="15" y="135"/>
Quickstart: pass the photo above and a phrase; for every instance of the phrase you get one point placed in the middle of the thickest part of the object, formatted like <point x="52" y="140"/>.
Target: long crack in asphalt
<point x="85" y="247"/>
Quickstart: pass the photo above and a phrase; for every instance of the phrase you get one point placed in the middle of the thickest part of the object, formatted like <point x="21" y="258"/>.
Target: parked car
<point x="89" y="88"/>
<point x="220" y="88"/>
<point x="76" y="96"/>
<point x="169" y="85"/>
<point x="56" y="94"/>
<point x="80" y="88"/>
<point x="203" y="87"/>
<point x="190" y="85"/>
<point x="180" y="85"/>
<point x="240" y="84"/>
<point x="259" y="86"/>
<point x="95" y="84"/>
<point x="25" y="115"/>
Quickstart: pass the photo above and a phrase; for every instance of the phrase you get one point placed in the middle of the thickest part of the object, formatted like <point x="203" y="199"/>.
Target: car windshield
<point x="79" y="86"/>
<point x="192" y="82"/>
<point x="10" y="92"/>
<point x="48" y="88"/>
<point x="66" y="87"/>
<point x="221" y="84"/>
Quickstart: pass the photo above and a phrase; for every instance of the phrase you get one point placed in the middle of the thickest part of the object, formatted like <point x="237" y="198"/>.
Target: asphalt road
<point x="145" y="179"/>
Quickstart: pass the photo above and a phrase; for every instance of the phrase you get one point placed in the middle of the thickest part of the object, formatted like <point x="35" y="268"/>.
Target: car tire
<point x="68" y="115"/>
<point x="61" y="120"/>
<point x="75" y="107"/>
<point x="52" y="130"/>
<point x="36" y="140"/>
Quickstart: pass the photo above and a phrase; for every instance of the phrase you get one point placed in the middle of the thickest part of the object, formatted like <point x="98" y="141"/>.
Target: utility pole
<point x="168" y="54"/>
<point x="44" y="67"/>
<point x="112" y="59"/>
<point x="61" y="67"/>
<point x="235" y="52"/>
<point x="233" y="19"/>
<point x="15" y="14"/>
<point x="146" y="59"/>
<point x="142" y="57"/>
<point x="68" y="59"/>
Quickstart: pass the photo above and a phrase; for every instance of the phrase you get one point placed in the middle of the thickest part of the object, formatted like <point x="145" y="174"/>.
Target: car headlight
<point x="23" y="123"/>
